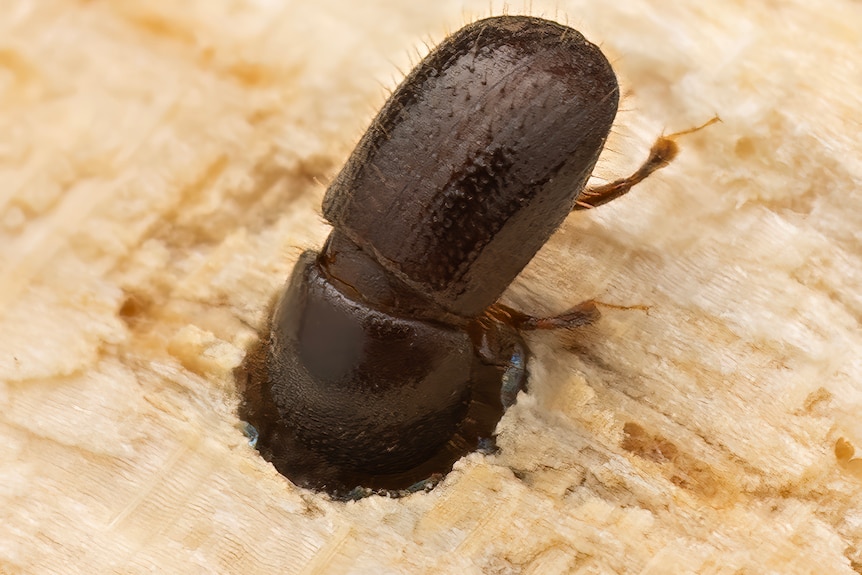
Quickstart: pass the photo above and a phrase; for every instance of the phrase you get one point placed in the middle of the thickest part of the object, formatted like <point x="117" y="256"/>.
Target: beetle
<point x="388" y="354"/>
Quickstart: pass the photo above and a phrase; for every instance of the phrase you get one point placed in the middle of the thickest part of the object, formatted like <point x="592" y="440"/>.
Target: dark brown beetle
<point x="388" y="356"/>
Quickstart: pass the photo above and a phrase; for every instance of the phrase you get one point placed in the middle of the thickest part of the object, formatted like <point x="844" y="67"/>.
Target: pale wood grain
<point x="161" y="167"/>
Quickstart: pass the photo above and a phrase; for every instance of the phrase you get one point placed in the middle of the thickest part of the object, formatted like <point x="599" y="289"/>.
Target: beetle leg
<point x="582" y="314"/>
<point x="662" y="153"/>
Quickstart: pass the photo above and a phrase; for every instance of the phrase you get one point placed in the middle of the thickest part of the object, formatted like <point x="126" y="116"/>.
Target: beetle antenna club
<point x="388" y="356"/>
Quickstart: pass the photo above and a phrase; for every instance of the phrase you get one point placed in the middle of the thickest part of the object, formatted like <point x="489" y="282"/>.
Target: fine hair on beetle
<point x="388" y="355"/>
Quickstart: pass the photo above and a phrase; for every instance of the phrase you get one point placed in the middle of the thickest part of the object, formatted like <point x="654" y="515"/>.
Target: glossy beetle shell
<point x="381" y="352"/>
<point x="477" y="158"/>
<point x="351" y="380"/>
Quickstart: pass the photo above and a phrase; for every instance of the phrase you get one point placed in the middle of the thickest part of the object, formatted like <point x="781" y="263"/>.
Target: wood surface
<point x="161" y="168"/>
